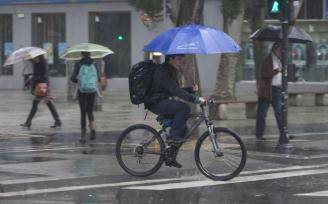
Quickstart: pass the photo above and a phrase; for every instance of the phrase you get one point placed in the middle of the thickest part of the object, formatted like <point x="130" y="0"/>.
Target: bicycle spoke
<point x="139" y="150"/>
<point x="220" y="167"/>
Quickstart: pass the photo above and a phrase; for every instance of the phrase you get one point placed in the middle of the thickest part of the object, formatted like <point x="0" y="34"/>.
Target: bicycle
<point x="219" y="153"/>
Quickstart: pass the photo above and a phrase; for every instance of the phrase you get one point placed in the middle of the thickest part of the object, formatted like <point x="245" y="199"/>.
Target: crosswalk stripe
<point x="83" y="187"/>
<point x="187" y="182"/>
<point x="196" y="184"/>
<point x="318" y="193"/>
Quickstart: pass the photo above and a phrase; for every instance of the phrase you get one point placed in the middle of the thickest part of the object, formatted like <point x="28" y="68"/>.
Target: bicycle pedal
<point x="219" y="154"/>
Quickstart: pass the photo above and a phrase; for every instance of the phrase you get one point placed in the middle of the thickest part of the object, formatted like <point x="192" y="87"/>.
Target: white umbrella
<point x="96" y="51"/>
<point x="24" y="53"/>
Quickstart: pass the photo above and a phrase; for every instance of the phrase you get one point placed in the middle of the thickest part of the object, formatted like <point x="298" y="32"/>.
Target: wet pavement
<point x="43" y="165"/>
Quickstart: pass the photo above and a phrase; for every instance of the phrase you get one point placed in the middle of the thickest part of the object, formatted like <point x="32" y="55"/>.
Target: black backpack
<point x="140" y="79"/>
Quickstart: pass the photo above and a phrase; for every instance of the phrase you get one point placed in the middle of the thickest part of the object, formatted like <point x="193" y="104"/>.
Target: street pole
<point x="283" y="139"/>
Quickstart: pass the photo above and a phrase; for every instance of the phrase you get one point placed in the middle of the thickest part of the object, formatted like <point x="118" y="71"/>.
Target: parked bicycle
<point x="219" y="153"/>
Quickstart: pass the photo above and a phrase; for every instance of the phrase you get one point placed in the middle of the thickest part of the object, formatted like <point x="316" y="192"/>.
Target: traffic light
<point x="120" y="37"/>
<point x="277" y="9"/>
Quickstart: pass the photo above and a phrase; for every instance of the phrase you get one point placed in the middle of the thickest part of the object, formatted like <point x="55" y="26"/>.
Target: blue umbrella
<point x="193" y="39"/>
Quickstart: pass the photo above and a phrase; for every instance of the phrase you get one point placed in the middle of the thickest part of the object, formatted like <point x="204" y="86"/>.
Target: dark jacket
<point x="265" y="81"/>
<point x="40" y="74"/>
<point x="87" y="61"/>
<point x="165" y="85"/>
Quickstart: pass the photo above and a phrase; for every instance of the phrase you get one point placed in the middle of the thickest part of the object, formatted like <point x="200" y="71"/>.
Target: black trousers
<point x="86" y="101"/>
<point x="34" y="108"/>
<point x="180" y="112"/>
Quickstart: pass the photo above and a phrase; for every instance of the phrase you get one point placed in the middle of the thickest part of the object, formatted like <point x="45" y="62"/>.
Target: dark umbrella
<point x="274" y="33"/>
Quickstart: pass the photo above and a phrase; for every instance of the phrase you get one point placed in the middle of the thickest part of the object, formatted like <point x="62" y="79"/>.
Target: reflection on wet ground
<point x="42" y="165"/>
<point x="57" y="169"/>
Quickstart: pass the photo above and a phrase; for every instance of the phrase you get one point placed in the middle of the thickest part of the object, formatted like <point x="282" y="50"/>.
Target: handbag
<point x="103" y="82"/>
<point x="41" y="89"/>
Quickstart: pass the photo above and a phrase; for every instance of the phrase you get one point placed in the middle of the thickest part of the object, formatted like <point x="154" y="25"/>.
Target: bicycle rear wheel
<point x="139" y="150"/>
<point x="223" y="167"/>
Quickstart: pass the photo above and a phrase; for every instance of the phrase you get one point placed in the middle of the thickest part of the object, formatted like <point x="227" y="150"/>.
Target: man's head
<point x="276" y="49"/>
<point x="175" y="60"/>
<point x="85" y="54"/>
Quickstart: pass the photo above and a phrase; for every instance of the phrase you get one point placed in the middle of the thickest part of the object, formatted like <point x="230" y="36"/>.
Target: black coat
<point x="40" y="74"/>
<point x="165" y="85"/>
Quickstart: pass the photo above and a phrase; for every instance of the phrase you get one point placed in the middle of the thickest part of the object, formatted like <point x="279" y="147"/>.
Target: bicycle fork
<point x="217" y="150"/>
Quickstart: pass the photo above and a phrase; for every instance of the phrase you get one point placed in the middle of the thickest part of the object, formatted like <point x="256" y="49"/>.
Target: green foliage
<point x="232" y="8"/>
<point x="151" y="7"/>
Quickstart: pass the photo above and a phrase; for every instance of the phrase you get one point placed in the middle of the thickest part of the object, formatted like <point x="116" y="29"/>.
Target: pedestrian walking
<point x="87" y="77"/>
<point x="41" y="90"/>
<point x="27" y="73"/>
<point x="269" y="89"/>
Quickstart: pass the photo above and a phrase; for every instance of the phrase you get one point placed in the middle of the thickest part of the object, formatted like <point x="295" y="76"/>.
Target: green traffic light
<point x="275" y="7"/>
<point x="120" y="37"/>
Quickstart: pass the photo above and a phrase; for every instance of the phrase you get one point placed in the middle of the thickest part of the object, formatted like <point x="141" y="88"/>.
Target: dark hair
<point x="85" y="54"/>
<point x="43" y="61"/>
<point x="275" y="46"/>
<point x="167" y="57"/>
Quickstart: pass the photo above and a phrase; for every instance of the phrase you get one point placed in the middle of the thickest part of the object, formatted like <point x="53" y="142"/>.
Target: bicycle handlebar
<point x="208" y="102"/>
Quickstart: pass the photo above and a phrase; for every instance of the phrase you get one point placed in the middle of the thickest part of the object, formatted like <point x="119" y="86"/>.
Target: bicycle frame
<point x="203" y="116"/>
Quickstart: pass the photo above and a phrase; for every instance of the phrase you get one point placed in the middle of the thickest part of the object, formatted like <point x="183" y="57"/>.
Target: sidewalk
<point x="118" y="113"/>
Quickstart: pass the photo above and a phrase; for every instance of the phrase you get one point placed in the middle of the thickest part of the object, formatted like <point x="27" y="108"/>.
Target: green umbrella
<point x="74" y="52"/>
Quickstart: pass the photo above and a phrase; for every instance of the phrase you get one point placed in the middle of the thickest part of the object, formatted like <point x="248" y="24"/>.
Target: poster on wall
<point x="9" y="48"/>
<point x="322" y="53"/>
<point x="298" y="53"/>
<point x="61" y="48"/>
<point x="50" y="54"/>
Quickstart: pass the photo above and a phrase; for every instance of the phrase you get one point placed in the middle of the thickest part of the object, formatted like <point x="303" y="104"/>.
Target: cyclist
<point x="159" y="101"/>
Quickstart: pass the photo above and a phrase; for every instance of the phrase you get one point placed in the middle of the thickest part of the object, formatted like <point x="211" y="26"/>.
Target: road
<point x="55" y="168"/>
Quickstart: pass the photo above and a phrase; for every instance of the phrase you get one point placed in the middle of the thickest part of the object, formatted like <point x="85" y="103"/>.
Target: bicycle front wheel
<point x="226" y="165"/>
<point x="139" y="150"/>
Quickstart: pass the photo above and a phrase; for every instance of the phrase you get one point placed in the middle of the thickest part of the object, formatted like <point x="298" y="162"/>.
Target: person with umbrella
<point x="159" y="101"/>
<point x="86" y="98"/>
<point x="174" y="43"/>
<point x="269" y="89"/>
<point x="40" y="77"/>
<point x="85" y="71"/>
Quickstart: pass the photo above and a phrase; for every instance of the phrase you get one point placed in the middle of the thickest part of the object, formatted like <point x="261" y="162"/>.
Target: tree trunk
<point x="226" y="76"/>
<point x="190" y="11"/>
<point x="255" y="17"/>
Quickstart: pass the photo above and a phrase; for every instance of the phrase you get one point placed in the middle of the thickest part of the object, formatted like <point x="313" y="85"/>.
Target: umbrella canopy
<point x="24" y="53"/>
<point x="193" y="39"/>
<point x="97" y="51"/>
<point x="274" y="33"/>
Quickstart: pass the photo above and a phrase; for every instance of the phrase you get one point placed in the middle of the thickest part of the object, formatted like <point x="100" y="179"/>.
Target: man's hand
<point x="279" y="69"/>
<point x="195" y="88"/>
<point x="201" y="100"/>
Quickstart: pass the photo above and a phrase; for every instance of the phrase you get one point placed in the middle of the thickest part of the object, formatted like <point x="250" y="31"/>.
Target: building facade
<point x="311" y="59"/>
<point x="58" y="24"/>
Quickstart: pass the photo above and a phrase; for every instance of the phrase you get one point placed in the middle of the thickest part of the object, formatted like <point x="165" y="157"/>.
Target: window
<point x="49" y="33"/>
<point x="6" y="45"/>
<point x="113" y="29"/>
<point x="312" y="9"/>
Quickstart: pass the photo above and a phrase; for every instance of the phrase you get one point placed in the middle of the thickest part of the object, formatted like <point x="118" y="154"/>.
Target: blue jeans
<point x="262" y="109"/>
<point x="175" y="110"/>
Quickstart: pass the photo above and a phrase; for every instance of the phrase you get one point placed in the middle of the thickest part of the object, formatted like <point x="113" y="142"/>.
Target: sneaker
<point x="173" y="163"/>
